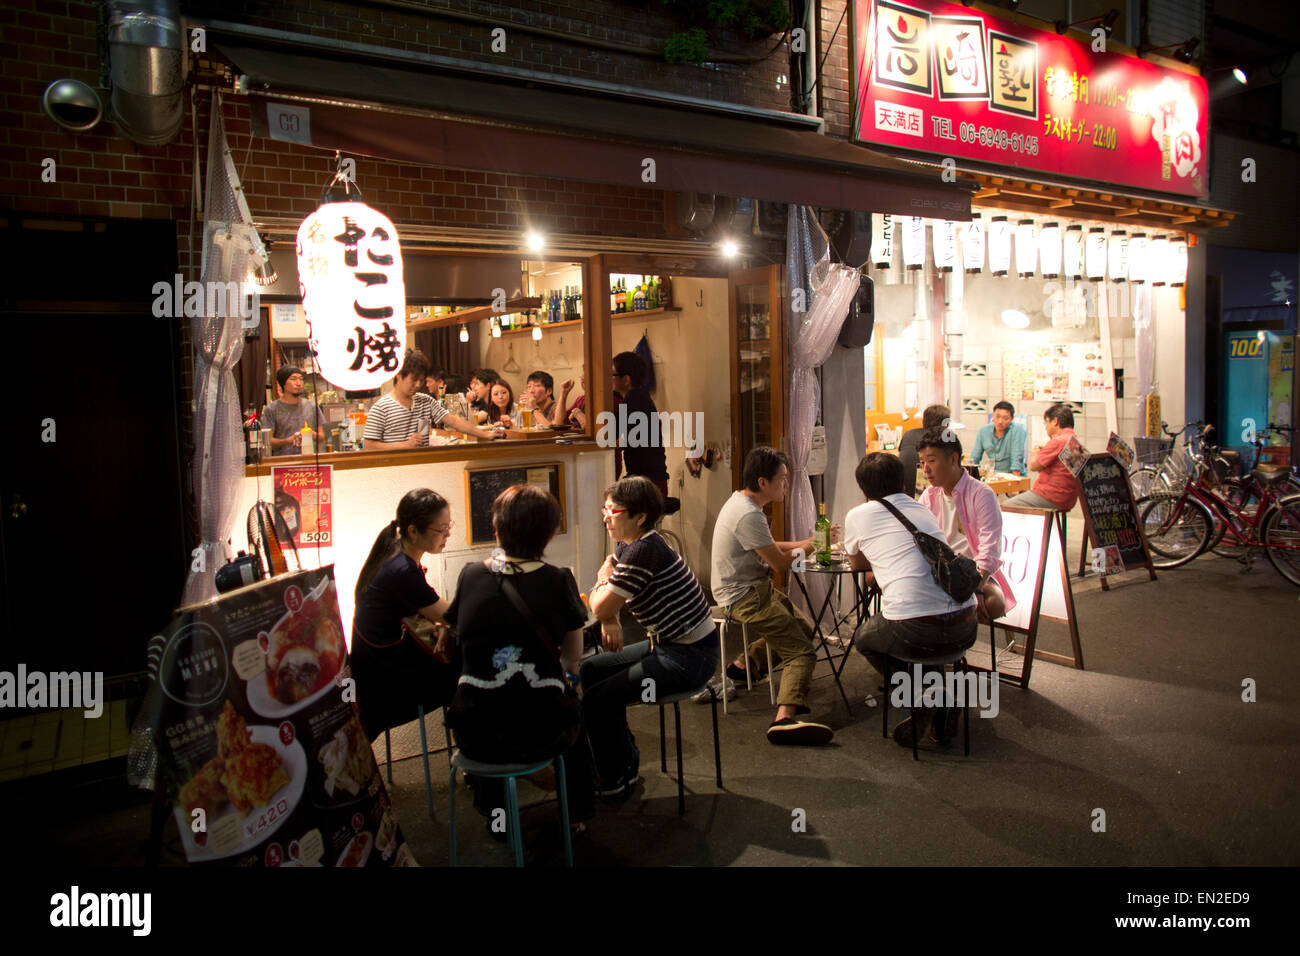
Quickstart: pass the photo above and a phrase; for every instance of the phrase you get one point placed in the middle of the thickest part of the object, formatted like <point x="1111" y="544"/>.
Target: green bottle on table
<point x="822" y="537"/>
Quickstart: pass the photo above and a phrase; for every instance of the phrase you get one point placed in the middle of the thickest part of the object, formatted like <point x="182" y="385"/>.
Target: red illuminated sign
<point x="949" y="81"/>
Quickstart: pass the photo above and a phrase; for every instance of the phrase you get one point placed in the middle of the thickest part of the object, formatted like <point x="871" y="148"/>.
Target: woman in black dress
<point x="519" y="624"/>
<point x="395" y="673"/>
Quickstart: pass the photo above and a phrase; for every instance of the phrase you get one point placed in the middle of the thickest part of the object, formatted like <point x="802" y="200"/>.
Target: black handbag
<point x="956" y="575"/>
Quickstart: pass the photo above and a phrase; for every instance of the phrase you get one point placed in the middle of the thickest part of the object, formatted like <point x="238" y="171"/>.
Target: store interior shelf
<point x="474" y="315"/>
<point x="545" y="327"/>
<point x="643" y="312"/>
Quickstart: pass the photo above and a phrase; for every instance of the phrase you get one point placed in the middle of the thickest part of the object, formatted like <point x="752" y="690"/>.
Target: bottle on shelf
<point x="652" y="294"/>
<point x="665" y="293"/>
<point x="822" y="536"/>
<point x="577" y="302"/>
<point x="638" y="297"/>
<point x="620" y="297"/>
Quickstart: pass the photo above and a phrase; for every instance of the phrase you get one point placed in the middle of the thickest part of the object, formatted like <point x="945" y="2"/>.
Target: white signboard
<point x="1022" y="540"/>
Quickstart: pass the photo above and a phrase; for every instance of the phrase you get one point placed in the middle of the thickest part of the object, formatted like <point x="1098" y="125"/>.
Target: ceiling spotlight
<point x="535" y="240"/>
<point x="1182" y="51"/>
<point x="1239" y="75"/>
<point x="730" y="248"/>
<point x="1106" y="21"/>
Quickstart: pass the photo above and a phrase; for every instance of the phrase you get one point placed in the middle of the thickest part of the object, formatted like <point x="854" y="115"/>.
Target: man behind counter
<point x="401" y="418"/>
<point x="288" y="414"/>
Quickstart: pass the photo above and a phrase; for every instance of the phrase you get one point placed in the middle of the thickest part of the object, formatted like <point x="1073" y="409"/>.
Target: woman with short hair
<point x="519" y="625"/>
<point x="666" y="599"/>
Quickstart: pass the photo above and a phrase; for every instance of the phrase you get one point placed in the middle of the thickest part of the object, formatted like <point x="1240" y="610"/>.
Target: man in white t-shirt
<point x="744" y="555"/>
<point x="916" y="618"/>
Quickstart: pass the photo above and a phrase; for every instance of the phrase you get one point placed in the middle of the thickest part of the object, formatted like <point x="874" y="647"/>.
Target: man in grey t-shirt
<point x="743" y="552"/>
<point x="287" y="416"/>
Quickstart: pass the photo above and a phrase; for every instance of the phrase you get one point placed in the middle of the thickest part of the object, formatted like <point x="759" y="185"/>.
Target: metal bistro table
<point x="860" y="608"/>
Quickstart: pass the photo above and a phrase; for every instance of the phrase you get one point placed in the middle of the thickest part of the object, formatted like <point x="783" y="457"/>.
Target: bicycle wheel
<point x="1143" y="481"/>
<point x="1175" y="536"/>
<point x="1281" y="537"/>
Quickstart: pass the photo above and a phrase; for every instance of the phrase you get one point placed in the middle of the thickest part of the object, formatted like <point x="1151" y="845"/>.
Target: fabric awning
<point x="476" y="122"/>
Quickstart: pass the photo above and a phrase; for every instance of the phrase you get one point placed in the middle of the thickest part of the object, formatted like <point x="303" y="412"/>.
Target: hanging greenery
<point x="750" y="19"/>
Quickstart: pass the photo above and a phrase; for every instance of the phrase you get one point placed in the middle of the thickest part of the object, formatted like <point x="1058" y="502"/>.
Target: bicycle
<point x="1179" y="525"/>
<point x="1245" y="488"/>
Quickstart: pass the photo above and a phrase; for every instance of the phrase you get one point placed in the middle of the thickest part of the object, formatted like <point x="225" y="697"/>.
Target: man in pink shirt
<point x="1056" y="487"/>
<point x="968" y="514"/>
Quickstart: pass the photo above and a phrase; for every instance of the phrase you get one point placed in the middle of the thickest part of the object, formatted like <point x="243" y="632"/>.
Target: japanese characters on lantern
<point x="350" y="278"/>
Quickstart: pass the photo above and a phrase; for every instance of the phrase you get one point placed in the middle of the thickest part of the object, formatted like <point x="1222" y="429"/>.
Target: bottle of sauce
<point x="308" y="441"/>
<point x="665" y="293"/>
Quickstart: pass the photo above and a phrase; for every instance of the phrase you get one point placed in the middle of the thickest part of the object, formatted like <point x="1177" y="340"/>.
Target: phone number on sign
<point x="999" y="139"/>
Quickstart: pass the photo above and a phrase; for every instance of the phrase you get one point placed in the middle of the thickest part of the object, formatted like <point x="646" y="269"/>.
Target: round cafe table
<point x="860" y="607"/>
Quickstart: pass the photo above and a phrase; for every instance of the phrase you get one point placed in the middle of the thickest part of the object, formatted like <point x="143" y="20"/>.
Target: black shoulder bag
<point x="957" y="576"/>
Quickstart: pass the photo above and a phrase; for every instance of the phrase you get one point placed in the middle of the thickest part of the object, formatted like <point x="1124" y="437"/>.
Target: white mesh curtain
<point x="828" y="290"/>
<point x="231" y="249"/>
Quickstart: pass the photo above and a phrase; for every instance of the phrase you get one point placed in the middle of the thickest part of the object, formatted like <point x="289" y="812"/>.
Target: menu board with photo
<point x="1039" y="374"/>
<point x="1019" y="368"/>
<point x="1090" y="379"/>
<point x="259" y="735"/>
<point x="303" y="498"/>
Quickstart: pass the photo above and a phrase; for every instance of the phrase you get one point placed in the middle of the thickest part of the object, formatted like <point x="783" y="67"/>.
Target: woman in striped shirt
<point x="666" y="599"/>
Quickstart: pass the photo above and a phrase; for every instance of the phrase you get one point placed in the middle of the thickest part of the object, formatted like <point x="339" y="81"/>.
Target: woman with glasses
<point x="394" y="671"/>
<point x="665" y="598"/>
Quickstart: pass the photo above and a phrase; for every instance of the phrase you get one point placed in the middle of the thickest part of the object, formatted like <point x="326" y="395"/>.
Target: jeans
<point x="611" y="681"/>
<point x="1027" y="499"/>
<point x="769" y="617"/>
<point x="879" y="640"/>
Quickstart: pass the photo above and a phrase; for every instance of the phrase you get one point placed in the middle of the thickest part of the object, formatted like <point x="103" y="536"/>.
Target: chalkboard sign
<point x="482" y="485"/>
<point x="1111" y="516"/>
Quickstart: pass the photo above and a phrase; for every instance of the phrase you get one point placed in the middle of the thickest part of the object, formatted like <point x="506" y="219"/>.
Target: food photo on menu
<point x="268" y="760"/>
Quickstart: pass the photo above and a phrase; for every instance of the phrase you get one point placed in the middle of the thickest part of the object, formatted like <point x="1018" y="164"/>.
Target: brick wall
<point x="463" y="28"/>
<point x="834" y="91"/>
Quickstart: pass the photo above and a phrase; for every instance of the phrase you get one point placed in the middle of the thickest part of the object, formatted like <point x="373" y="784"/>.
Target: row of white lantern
<point x="1070" y="253"/>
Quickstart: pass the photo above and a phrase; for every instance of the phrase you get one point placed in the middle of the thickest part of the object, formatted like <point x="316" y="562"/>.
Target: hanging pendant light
<point x="1094" y="254"/>
<point x="1073" y="252"/>
<point x="1158" y="257"/>
<point x="464" y="334"/>
<point x="350" y="271"/>
<point x="1138" y="261"/>
<point x="496" y="328"/>
<point x="1117" y="255"/>
<point x="973" y="245"/>
<point x="1026" y="248"/>
<point x="1049" y="249"/>
<point x="999" y="246"/>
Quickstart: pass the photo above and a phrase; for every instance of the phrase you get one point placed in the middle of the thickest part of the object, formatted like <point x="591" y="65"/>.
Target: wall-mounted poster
<point x="1019" y="369"/>
<point x="261" y="740"/>
<point x="1090" y="378"/>
<point x="304" y="499"/>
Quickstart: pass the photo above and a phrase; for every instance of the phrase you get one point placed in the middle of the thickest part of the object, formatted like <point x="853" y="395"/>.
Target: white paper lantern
<point x="1074" y="252"/>
<point x="1117" y="255"/>
<point x="1026" y="248"/>
<point x="1139" y="262"/>
<point x="945" y="244"/>
<point x="973" y="245"/>
<point x="999" y="246"/>
<point x="914" y="242"/>
<point x="350" y="278"/>
<point x="1094" y="254"/>
<point x="1178" y="271"/>
<point x="1158" y="258"/>
<point x="882" y="239"/>
<point x="1049" y="249"/>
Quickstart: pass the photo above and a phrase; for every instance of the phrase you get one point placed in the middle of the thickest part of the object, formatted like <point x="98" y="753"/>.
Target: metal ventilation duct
<point x="147" y="61"/>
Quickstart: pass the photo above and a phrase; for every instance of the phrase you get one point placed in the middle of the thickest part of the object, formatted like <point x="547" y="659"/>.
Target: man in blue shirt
<point x="1003" y="440"/>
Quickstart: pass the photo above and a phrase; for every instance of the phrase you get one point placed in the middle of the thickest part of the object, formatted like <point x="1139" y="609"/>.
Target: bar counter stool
<point x="958" y="660"/>
<point x="510" y="772"/>
<point x="424" y="753"/>
<point x="675" y="700"/>
<point x="722" y="617"/>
